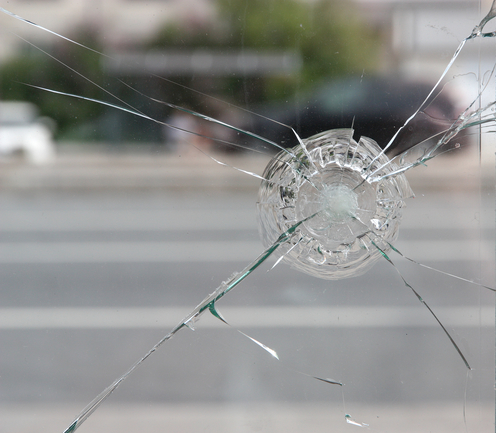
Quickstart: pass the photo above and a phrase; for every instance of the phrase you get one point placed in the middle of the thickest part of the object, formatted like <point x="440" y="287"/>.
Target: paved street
<point x="92" y="277"/>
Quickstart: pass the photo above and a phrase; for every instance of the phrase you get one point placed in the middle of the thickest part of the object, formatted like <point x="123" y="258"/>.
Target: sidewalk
<point x="273" y="417"/>
<point x="90" y="170"/>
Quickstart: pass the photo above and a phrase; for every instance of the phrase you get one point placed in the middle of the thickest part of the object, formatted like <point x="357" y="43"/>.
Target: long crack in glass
<point x="330" y="207"/>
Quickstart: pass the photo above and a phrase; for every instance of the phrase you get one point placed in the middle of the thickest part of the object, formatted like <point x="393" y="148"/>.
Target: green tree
<point x="36" y="68"/>
<point x="329" y="36"/>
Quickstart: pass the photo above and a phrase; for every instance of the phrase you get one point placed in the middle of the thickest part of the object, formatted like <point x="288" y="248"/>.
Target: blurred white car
<point x="23" y="132"/>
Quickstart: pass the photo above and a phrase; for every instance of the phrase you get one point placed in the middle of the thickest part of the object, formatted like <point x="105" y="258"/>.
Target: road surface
<point x="92" y="278"/>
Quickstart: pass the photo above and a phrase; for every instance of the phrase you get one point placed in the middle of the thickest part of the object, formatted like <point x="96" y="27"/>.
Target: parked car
<point x="375" y="107"/>
<point x="23" y="132"/>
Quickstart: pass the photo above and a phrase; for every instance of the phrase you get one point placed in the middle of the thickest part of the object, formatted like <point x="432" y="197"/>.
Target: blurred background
<point x="113" y="226"/>
<point x="315" y="65"/>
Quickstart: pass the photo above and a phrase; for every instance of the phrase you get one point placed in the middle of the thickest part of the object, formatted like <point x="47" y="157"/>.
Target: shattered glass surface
<point x="284" y="351"/>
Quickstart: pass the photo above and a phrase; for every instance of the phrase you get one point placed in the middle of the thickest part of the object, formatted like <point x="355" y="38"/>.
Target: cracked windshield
<point x="300" y="192"/>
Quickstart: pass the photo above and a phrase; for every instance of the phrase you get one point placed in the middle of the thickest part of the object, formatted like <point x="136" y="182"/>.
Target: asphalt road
<point x="91" y="280"/>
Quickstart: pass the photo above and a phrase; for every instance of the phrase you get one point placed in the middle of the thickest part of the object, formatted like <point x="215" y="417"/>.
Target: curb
<point x="131" y="171"/>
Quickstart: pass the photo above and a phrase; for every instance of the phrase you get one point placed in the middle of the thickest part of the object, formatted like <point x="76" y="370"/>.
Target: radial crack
<point x="421" y="300"/>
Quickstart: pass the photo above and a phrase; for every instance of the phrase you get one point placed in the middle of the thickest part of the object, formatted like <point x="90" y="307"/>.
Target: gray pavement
<point x="99" y="258"/>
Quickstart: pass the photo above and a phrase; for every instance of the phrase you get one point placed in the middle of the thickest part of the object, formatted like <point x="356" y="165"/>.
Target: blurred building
<point x="422" y="33"/>
<point x="117" y="22"/>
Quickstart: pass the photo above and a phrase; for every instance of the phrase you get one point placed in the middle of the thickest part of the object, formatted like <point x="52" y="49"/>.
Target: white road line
<point x="129" y="252"/>
<point x="246" y="317"/>
<point x="197" y="219"/>
<point x="210" y="251"/>
<point x="446" y="250"/>
<point x="136" y="220"/>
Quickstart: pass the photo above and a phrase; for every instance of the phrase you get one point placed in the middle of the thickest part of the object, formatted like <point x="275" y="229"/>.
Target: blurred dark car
<point x="375" y="107"/>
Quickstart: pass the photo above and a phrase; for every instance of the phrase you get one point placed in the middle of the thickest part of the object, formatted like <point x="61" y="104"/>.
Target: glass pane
<point x="134" y="184"/>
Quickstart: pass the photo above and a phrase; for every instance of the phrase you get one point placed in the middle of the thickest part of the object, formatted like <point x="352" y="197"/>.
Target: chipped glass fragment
<point x="350" y="420"/>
